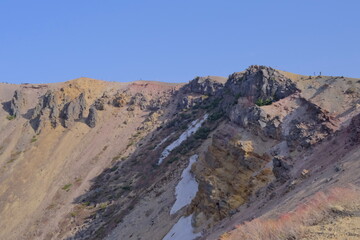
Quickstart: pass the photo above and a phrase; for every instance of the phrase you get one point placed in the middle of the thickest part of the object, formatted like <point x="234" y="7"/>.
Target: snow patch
<point x="193" y="127"/>
<point x="186" y="189"/>
<point x="182" y="230"/>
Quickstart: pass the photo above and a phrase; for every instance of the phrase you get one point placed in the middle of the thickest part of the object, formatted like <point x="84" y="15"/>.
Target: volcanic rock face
<point x="16" y="103"/>
<point x="259" y="82"/>
<point x="257" y="120"/>
<point x="47" y="108"/>
<point x="198" y="90"/>
<point x="281" y="168"/>
<point x="204" y="86"/>
<point x="354" y="129"/>
<point x="121" y="99"/>
<point x="98" y="171"/>
<point x="74" y="110"/>
<point x="229" y="173"/>
<point x="92" y="117"/>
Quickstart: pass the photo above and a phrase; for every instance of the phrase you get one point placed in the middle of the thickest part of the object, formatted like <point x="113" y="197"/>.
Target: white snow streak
<point x="182" y="230"/>
<point x="186" y="189"/>
<point x="194" y="126"/>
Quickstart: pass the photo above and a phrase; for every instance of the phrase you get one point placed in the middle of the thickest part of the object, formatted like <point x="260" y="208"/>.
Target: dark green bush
<point x="202" y="133"/>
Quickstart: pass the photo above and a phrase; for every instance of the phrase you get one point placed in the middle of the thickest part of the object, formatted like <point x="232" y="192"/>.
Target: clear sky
<point x="175" y="40"/>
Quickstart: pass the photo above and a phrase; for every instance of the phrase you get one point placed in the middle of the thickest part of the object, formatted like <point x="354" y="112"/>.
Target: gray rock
<point x="100" y="104"/>
<point x="281" y="168"/>
<point x="92" y="117"/>
<point x="256" y="120"/>
<point x="203" y="85"/>
<point x="310" y="128"/>
<point x="16" y="103"/>
<point x="47" y="108"/>
<point x="74" y="110"/>
<point x="259" y="82"/>
<point x="139" y="100"/>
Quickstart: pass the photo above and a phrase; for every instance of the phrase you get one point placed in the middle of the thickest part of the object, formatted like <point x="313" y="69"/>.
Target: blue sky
<point x="173" y="40"/>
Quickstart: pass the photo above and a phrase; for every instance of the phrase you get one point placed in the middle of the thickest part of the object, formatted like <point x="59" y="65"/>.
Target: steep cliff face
<point x="88" y="159"/>
<point x="235" y="165"/>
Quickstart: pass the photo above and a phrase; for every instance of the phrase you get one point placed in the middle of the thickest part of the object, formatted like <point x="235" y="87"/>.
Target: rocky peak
<point x="260" y="82"/>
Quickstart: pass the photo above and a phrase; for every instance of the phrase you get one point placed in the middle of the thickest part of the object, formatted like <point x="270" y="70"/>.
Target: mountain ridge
<point x="80" y="159"/>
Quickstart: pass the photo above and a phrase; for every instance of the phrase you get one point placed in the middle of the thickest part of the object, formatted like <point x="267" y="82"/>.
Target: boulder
<point x="281" y="168"/>
<point x="74" y="110"/>
<point x="92" y="117"/>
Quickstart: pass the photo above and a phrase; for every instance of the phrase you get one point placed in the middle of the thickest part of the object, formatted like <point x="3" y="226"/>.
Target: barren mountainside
<point x="261" y="154"/>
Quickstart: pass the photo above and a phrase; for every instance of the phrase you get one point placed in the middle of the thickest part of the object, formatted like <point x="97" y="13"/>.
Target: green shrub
<point x="216" y="116"/>
<point x="202" y="133"/>
<point x="67" y="187"/>
<point x="10" y="117"/>
<point x="261" y="102"/>
<point x="172" y="160"/>
<point x="126" y="188"/>
<point x="114" y="168"/>
<point x="102" y="205"/>
<point x="34" y="139"/>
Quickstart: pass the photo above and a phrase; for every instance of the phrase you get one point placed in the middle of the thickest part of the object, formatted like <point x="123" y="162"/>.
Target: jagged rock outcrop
<point x="188" y="102"/>
<point x="16" y="103"/>
<point x="74" y="110"/>
<point x="62" y="112"/>
<point x="99" y="104"/>
<point x="121" y="99"/>
<point x="281" y="168"/>
<point x="311" y="127"/>
<point x="203" y="85"/>
<point x="139" y="100"/>
<point x="232" y="169"/>
<point x="256" y="120"/>
<point x="92" y="117"/>
<point x="47" y="108"/>
<point x="260" y="82"/>
<point x="354" y="130"/>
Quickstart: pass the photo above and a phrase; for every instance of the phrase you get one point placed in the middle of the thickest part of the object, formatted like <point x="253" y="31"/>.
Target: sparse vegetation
<point x="33" y="139"/>
<point x="14" y="156"/>
<point x="350" y="90"/>
<point x="126" y="188"/>
<point x="202" y="133"/>
<point x="292" y="225"/>
<point x="172" y="160"/>
<point x="10" y="117"/>
<point x="86" y="204"/>
<point x="102" y="205"/>
<point x="216" y="116"/>
<point x="66" y="187"/>
<point x="261" y="102"/>
<point x="117" y="157"/>
<point x="114" y="168"/>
